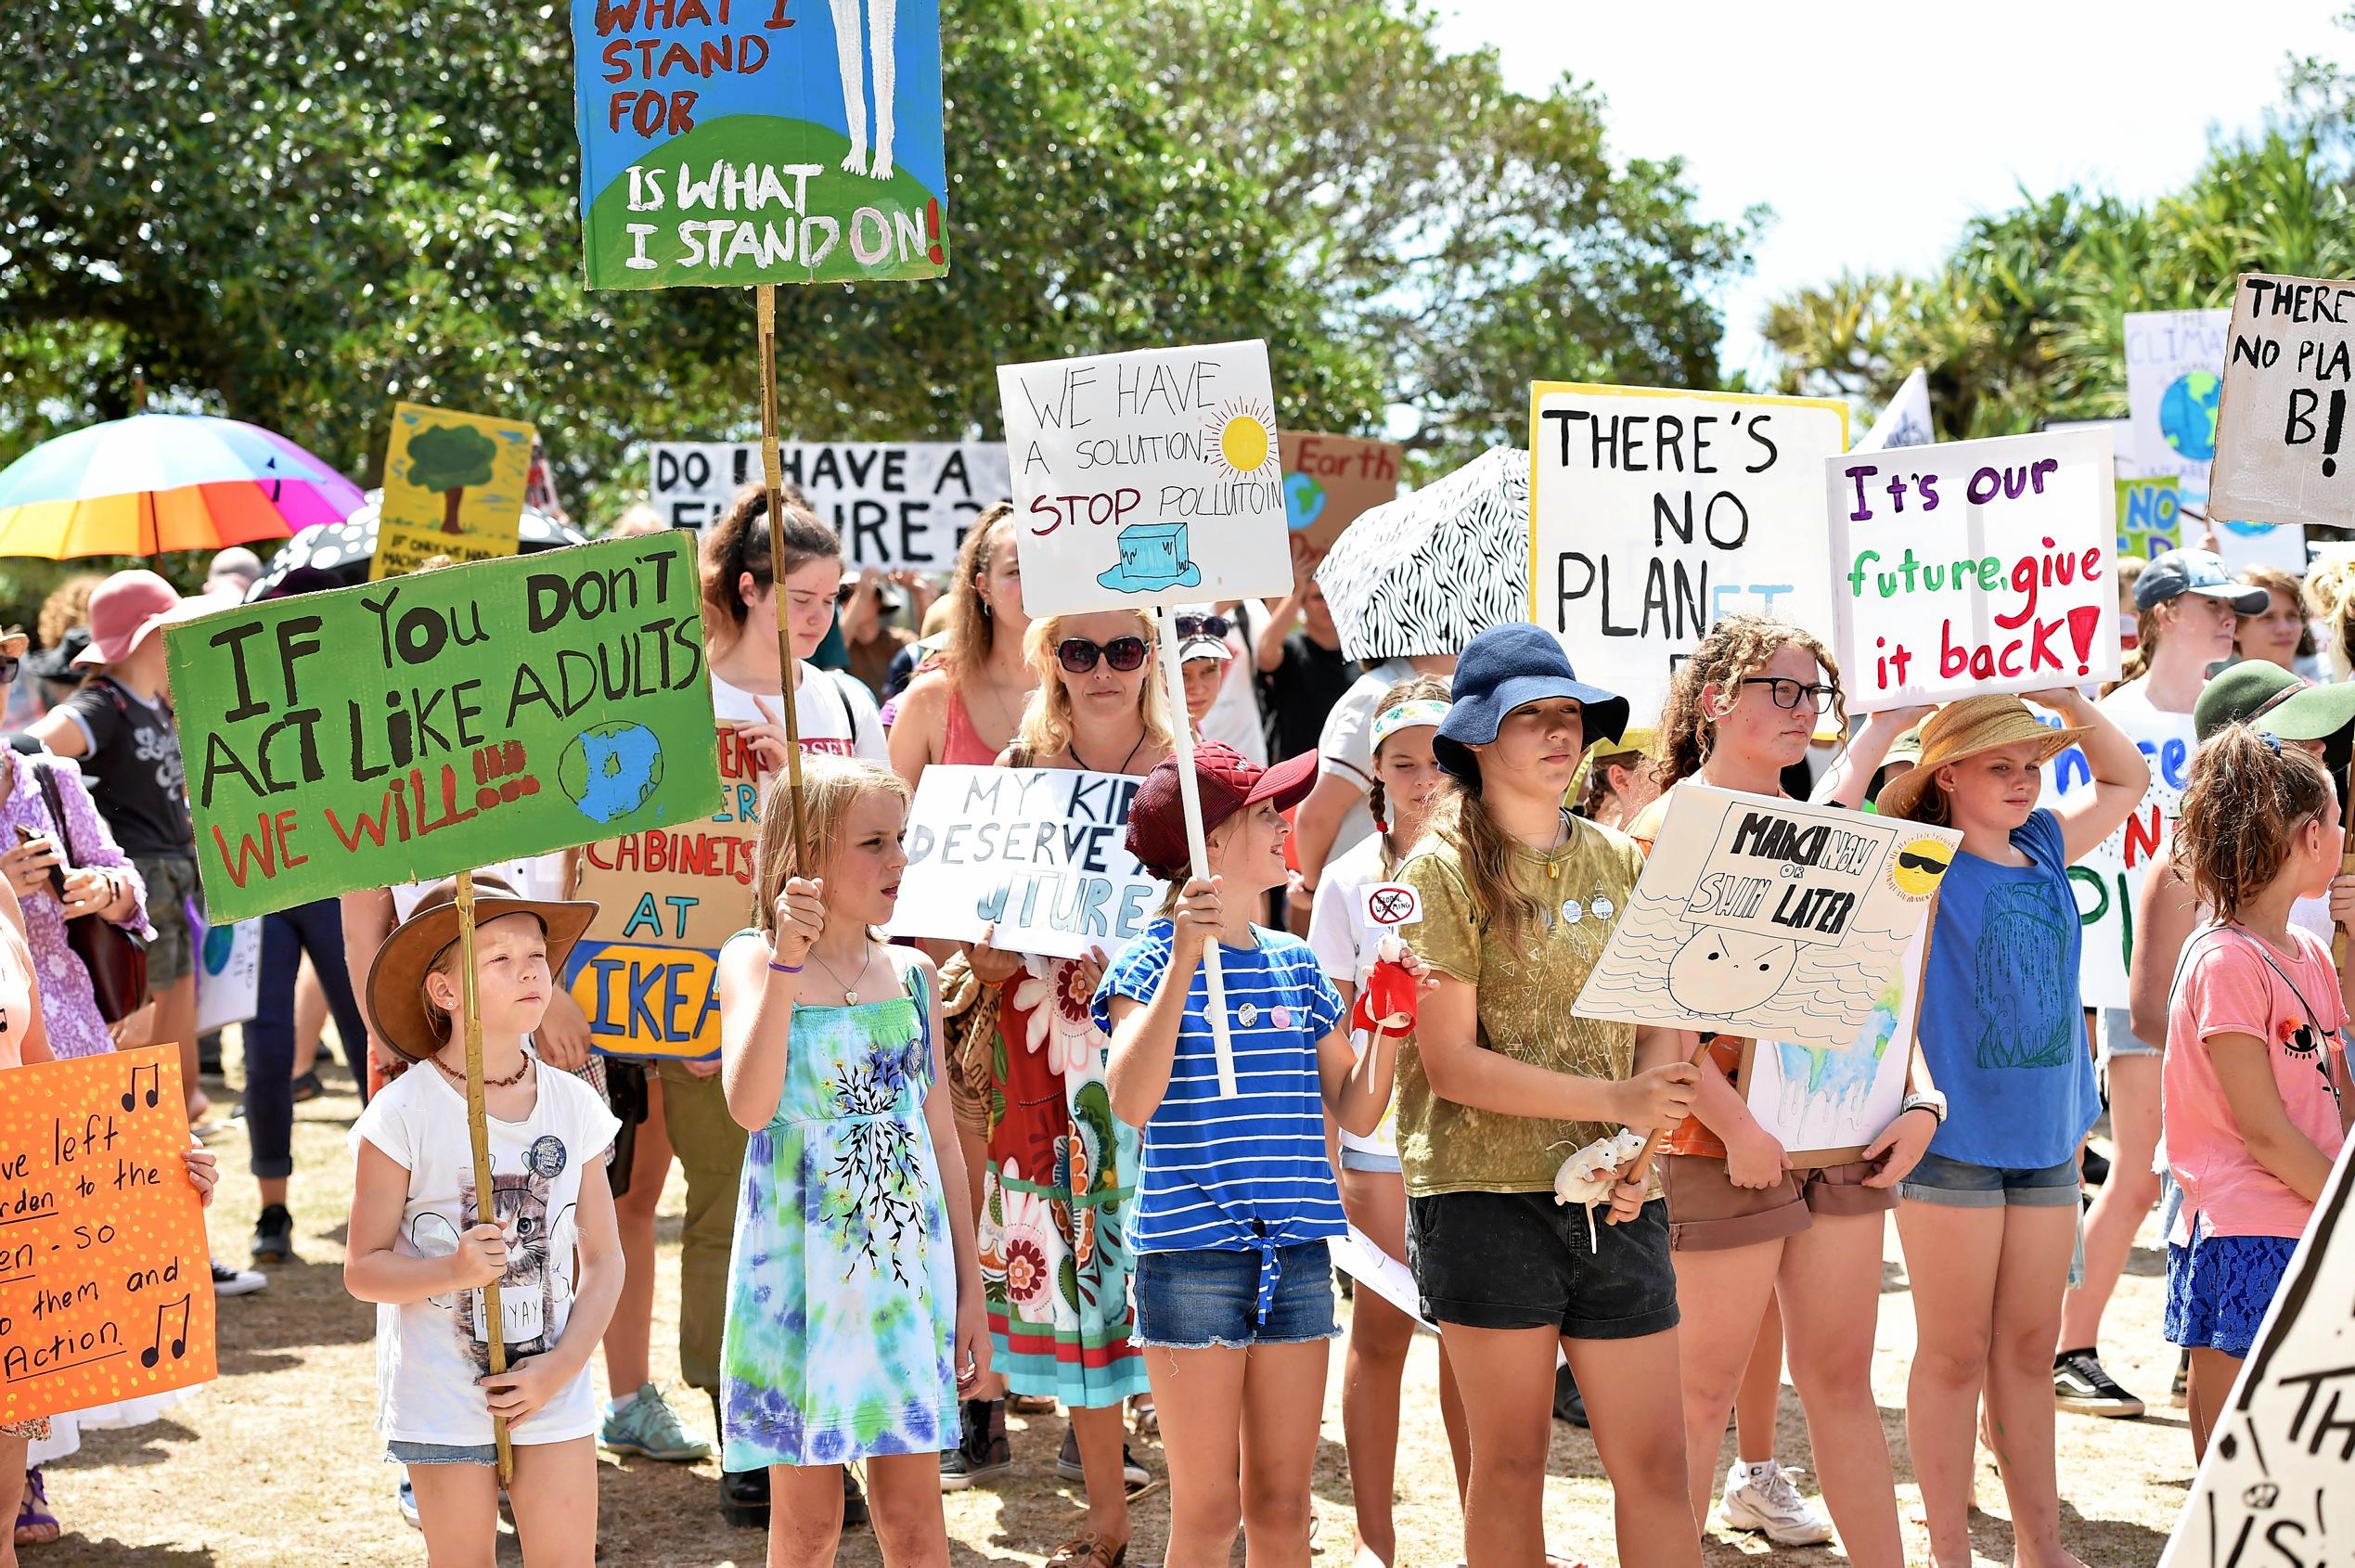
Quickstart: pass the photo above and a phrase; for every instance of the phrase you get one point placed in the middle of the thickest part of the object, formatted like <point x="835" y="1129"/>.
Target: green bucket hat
<point x="2274" y="702"/>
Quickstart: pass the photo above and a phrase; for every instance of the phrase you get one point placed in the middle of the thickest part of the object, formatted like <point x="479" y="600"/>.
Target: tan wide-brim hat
<point x="1965" y="729"/>
<point x="396" y="980"/>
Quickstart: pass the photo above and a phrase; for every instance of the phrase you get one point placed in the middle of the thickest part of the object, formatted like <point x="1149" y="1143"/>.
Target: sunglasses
<point x="1787" y="692"/>
<point x="1078" y="655"/>
<point x="1911" y="862"/>
<point x="1203" y="626"/>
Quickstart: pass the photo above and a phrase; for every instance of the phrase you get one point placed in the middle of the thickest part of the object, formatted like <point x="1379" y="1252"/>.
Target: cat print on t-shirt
<point x="536" y="1290"/>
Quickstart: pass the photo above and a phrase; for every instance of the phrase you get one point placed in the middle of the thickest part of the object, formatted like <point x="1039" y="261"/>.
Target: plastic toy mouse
<point x="1587" y="1175"/>
<point x="1386" y="998"/>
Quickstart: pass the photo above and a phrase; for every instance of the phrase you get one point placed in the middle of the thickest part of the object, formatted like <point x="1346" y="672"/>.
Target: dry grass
<point x="276" y="1464"/>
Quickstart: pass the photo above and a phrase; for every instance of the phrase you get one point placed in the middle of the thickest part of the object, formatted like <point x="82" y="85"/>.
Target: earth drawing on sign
<point x="610" y="770"/>
<point x="2187" y="415"/>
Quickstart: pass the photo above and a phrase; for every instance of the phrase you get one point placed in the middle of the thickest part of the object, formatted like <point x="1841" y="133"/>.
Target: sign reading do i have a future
<point x="760" y="141"/>
<point x="412" y="728"/>
<point x="1974" y="567"/>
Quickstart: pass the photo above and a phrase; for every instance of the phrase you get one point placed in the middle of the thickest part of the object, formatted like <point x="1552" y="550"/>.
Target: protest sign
<point x="770" y="145"/>
<point x="1757" y="915"/>
<point x="1653" y="513"/>
<point x="2289" y="361"/>
<point x="400" y="731"/>
<point x="2174" y="391"/>
<point x="2272" y="1491"/>
<point x="1146" y="479"/>
<point x="228" y="983"/>
<point x="2149" y="517"/>
<point x="454" y="486"/>
<point x="2108" y="879"/>
<point x="1329" y="480"/>
<point x="1039" y="852"/>
<point x="108" y="1283"/>
<point x="1906" y="421"/>
<point x="1972" y="567"/>
<point x="1826" y="1107"/>
<point x="894" y="504"/>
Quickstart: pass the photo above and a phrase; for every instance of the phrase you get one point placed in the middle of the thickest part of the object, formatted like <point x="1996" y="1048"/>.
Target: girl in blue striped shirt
<point x="1236" y="1196"/>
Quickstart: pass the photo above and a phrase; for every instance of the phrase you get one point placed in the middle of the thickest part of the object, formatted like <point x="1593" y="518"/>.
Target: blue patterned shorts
<point x="2218" y="1287"/>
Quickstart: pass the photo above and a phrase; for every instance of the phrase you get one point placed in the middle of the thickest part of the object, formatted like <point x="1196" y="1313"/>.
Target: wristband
<point x="785" y="969"/>
<point x="1931" y="1102"/>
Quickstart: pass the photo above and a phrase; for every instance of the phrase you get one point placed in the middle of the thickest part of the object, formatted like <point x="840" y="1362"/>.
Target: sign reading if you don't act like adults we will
<point x="427" y="725"/>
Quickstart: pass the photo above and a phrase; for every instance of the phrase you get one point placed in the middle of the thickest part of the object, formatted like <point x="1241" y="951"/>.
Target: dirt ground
<point x="276" y="1464"/>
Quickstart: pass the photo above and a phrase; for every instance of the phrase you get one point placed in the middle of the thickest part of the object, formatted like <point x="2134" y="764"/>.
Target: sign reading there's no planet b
<point x="2282" y="449"/>
<point x="1146" y="479"/>
<point x="401" y="731"/>
<point x="1039" y="852"/>
<point x="1766" y="916"/>
<point x="760" y="141"/>
<point x="1653" y="514"/>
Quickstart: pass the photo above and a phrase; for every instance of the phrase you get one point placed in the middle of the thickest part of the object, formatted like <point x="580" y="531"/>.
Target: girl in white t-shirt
<point x="419" y="1250"/>
<point x="1343" y="937"/>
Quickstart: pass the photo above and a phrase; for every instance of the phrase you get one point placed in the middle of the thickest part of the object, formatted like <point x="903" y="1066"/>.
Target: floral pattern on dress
<point x="69" y="1006"/>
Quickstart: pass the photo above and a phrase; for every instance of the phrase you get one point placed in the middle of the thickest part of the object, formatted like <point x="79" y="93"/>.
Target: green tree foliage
<point x="295" y="211"/>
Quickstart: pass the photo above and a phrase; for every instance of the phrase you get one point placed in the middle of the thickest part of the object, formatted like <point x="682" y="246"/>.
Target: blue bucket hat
<point x="1508" y="667"/>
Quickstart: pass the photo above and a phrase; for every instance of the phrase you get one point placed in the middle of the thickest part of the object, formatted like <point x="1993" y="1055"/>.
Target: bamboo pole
<point x="773" y="481"/>
<point x="1189" y="793"/>
<point x="478" y="1133"/>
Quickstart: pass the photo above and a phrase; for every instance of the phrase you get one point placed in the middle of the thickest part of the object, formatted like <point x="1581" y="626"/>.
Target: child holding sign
<point x="854" y="1302"/>
<point x="1235" y="1200"/>
<point x="421" y="1248"/>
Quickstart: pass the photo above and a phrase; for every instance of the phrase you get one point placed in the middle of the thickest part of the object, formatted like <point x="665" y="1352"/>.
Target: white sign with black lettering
<point x="896" y="504"/>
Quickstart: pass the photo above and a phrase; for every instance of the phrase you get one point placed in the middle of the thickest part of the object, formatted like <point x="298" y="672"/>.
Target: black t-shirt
<point x="1297" y="694"/>
<point x="139" y="783"/>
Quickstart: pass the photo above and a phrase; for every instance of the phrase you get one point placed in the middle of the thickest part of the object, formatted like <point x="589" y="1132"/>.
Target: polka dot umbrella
<point x="164" y="482"/>
<point x="342" y="550"/>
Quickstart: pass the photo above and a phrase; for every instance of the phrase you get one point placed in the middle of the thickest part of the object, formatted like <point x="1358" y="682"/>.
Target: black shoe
<point x="274" y="1235"/>
<point x="2081" y="1387"/>
<point x="1569" y="1405"/>
<point x="981" y="1452"/>
<point x="2096" y="1167"/>
<point x="209" y="1055"/>
<point x="1067" y="1465"/>
<point x="308" y="1087"/>
<point x="744" y="1499"/>
<point x="854" y="1501"/>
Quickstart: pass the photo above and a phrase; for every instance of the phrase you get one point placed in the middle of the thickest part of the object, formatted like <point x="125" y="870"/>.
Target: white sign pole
<point x="1191" y="793"/>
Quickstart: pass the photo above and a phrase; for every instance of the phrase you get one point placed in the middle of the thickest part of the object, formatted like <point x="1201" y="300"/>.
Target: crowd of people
<point x="927" y="1183"/>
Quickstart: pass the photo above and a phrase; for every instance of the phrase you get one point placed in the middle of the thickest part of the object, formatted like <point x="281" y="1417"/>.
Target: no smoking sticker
<point x="1393" y="904"/>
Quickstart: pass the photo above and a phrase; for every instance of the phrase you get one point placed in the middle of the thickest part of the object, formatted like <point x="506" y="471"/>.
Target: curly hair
<point x="1047" y="721"/>
<point x="2330" y="599"/>
<point x="2273" y="580"/>
<point x="67" y="607"/>
<point x="1734" y="648"/>
<point x="2248" y="798"/>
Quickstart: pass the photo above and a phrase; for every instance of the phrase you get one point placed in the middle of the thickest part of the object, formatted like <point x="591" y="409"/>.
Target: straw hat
<point x="1965" y="729"/>
<point x="396" y="980"/>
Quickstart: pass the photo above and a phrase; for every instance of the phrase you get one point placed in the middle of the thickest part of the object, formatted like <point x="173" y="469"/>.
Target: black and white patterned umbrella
<point x="1431" y="571"/>
<point x="342" y="550"/>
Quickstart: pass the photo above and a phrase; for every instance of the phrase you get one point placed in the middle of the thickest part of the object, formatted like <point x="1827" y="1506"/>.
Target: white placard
<point x="1974" y="567"/>
<point x="1653" y="513"/>
<point x="2283" y="445"/>
<point x="2174" y="391"/>
<point x="1824" y="1106"/>
<point x="1037" y="851"/>
<point x="229" y="974"/>
<point x="1767" y="916"/>
<point x="894" y="503"/>
<point x="2107" y="881"/>
<point x="1906" y="421"/>
<point x="1147" y="479"/>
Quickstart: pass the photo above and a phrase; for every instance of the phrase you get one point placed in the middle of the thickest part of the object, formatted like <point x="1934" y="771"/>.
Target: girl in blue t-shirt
<point x="1236" y="1199"/>
<point x="1989" y="1216"/>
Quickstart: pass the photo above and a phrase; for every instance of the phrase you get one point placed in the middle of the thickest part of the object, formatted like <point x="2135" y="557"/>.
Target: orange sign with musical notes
<point x="106" y="1289"/>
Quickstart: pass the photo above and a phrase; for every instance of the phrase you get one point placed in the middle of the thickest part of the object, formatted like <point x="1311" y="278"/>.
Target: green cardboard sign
<point x="429" y="724"/>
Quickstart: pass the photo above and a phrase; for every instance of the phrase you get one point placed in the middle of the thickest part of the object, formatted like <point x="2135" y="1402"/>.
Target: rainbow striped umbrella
<point x="164" y="482"/>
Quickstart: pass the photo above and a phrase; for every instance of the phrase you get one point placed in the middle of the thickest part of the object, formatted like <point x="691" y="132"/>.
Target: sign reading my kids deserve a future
<point x="1652" y="514"/>
<point x="454" y="486"/>
<point x="760" y="141"/>
<point x="1972" y="567"/>
<point x="2282" y="452"/>
<point x="1146" y="479"/>
<point x="400" y="731"/>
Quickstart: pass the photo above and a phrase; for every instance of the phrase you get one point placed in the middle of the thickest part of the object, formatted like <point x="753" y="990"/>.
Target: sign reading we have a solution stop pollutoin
<point x="410" y="729"/>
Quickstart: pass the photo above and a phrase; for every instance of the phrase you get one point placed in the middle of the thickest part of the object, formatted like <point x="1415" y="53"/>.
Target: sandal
<point x="1088" y="1551"/>
<point x="1030" y="1403"/>
<point x="1145" y="1419"/>
<point x="37" y="1526"/>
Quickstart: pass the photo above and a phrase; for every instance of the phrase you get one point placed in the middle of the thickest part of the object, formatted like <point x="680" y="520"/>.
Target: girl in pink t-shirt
<point x="2255" y="1074"/>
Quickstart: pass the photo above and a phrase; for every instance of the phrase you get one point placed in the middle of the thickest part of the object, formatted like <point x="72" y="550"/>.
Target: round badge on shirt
<point x="547" y="1156"/>
<point x="1573" y="911"/>
<point x="1281" y="1017"/>
<point x="1602" y="908"/>
<point x="1247" y="1014"/>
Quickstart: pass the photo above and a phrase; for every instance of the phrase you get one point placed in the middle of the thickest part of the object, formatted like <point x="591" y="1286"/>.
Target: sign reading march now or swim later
<point x="2281" y="448"/>
<point x="106" y="1286"/>
<point x="1331" y="480"/>
<point x="405" y="730"/>
<point x="1146" y="479"/>
<point x="893" y="502"/>
<point x="454" y="486"/>
<point x="1974" y="567"/>
<point x="1653" y="513"/>
<point x="760" y="141"/>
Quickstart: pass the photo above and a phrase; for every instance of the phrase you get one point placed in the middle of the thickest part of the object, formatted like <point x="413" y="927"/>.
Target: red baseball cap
<point x="123" y="609"/>
<point x="1227" y="784"/>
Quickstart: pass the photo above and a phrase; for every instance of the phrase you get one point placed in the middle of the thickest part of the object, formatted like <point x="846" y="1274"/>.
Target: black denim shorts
<point x="1520" y="1260"/>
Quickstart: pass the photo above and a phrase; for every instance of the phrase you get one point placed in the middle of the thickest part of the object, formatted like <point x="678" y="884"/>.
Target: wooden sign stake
<point x="478" y="1134"/>
<point x="1182" y="728"/>
<point x="773" y="477"/>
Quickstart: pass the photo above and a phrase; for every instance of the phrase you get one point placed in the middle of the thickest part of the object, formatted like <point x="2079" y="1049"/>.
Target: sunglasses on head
<point x="1204" y="626"/>
<point x="1078" y="655"/>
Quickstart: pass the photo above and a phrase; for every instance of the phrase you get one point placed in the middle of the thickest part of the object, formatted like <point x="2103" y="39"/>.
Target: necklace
<point x="515" y="1077"/>
<point x="850" y="996"/>
<point x="1073" y="747"/>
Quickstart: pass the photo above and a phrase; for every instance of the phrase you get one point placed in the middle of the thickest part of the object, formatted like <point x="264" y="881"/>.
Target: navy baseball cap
<point x="1508" y="667"/>
<point x="2195" y="571"/>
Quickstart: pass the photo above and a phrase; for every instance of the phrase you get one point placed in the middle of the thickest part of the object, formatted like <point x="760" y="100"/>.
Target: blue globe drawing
<point x="611" y="769"/>
<point x="2187" y="415"/>
<point x="1303" y="501"/>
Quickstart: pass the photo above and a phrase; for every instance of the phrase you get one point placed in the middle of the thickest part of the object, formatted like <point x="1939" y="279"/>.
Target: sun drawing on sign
<point x="1245" y="437"/>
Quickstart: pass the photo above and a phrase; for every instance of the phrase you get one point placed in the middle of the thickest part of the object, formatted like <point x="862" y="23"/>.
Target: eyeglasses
<point x="1203" y="626"/>
<point x="1787" y="691"/>
<point x="1078" y="655"/>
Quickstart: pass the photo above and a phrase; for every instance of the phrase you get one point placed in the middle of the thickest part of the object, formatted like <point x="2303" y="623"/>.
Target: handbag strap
<point x="55" y="801"/>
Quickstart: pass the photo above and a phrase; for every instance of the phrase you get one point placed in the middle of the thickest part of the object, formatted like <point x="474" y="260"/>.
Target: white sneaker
<point x="228" y="1281"/>
<point x="1760" y="1498"/>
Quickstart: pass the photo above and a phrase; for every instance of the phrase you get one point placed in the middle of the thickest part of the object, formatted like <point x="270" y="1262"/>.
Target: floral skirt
<point x="1054" y="1242"/>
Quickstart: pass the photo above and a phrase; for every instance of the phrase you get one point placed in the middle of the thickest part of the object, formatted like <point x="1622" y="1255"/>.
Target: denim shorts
<point x="400" y="1453"/>
<point x="1959" y="1184"/>
<point x="2218" y="1287"/>
<point x="2113" y="1036"/>
<point x="1373" y="1160"/>
<point x="1520" y="1260"/>
<point x="1206" y="1300"/>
